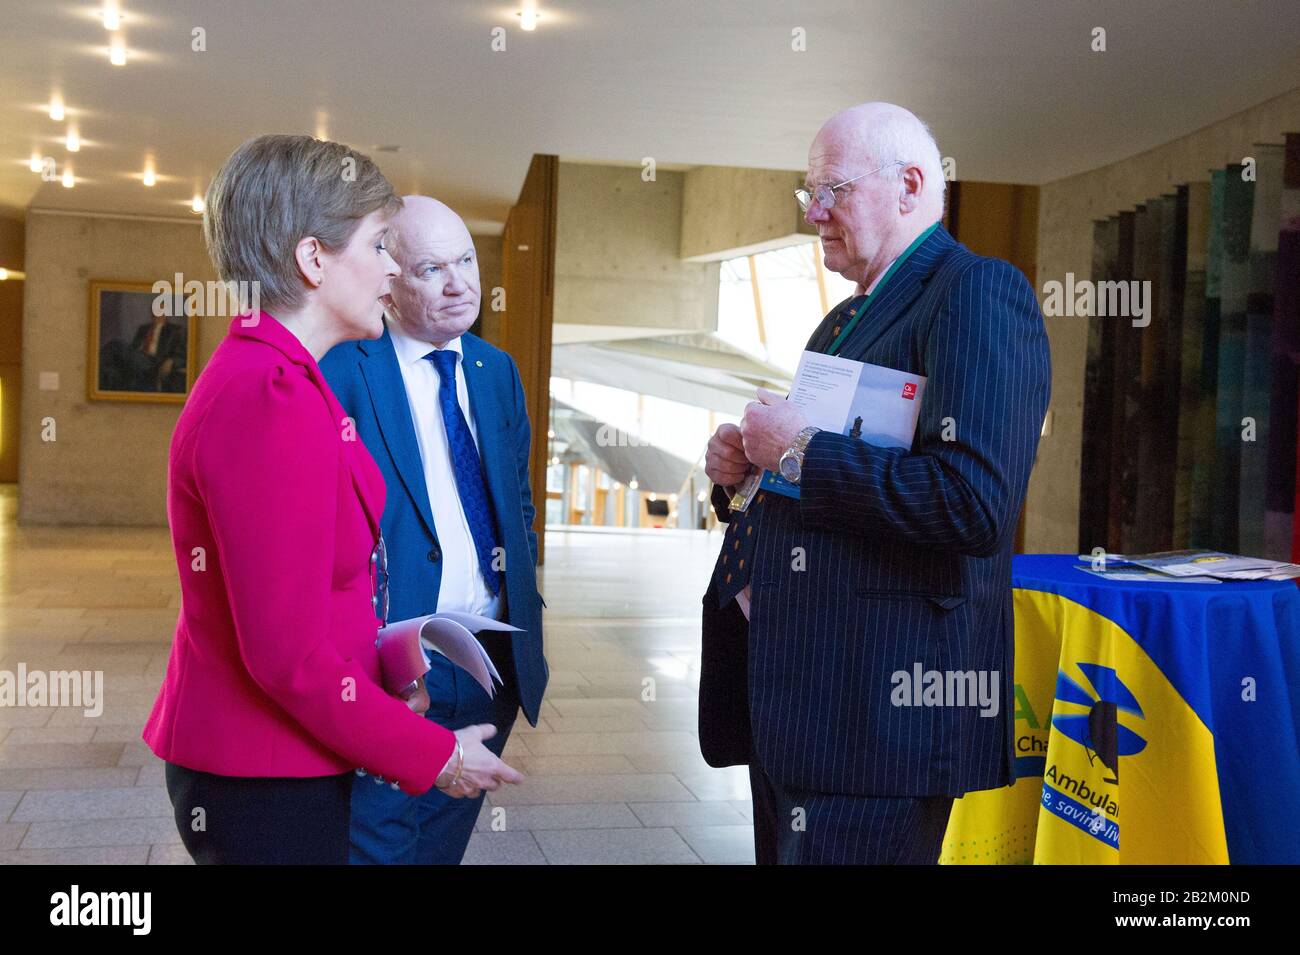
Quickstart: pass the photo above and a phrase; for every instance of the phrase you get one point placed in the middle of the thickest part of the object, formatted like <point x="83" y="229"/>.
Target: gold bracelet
<point x="457" y="754"/>
<point x="460" y="765"/>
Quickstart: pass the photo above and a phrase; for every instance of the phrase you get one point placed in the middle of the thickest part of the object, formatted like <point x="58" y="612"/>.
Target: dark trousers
<point x="391" y="828"/>
<point x="801" y="827"/>
<point x="234" y="820"/>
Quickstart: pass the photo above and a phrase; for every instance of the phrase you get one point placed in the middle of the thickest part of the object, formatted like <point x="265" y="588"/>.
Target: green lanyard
<point x="862" y="307"/>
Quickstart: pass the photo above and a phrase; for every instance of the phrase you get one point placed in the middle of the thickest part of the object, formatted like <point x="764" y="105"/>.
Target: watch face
<point x="790" y="468"/>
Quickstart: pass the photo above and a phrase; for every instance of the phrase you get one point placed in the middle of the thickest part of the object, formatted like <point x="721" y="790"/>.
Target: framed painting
<point x="137" y="354"/>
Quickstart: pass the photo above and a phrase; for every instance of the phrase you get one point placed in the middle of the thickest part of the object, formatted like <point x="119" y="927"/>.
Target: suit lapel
<point x="393" y="416"/>
<point x="897" y="295"/>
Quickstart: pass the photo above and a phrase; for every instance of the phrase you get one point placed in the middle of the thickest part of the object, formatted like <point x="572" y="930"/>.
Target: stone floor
<point x="614" y="773"/>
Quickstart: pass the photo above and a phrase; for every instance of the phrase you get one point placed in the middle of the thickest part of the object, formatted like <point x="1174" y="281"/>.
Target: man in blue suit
<point x="442" y="412"/>
<point x="891" y="562"/>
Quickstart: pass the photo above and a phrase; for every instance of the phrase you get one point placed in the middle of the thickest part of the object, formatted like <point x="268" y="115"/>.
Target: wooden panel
<point x="997" y="219"/>
<point x="1256" y="358"/>
<point x="1238" y="195"/>
<point x="1098" y="402"/>
<point x="1280" y="487"/>
<point x="1192" y="485"/>
<point x="524" y="330"/>
<point x="1203" y="529"/>
<point x="1123" y="460"/>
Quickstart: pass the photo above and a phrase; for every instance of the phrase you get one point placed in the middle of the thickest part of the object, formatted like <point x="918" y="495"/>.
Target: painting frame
<point x="98" y="377"/>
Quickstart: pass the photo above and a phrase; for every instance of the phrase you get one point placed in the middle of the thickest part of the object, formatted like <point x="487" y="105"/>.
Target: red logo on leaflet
<point x="909" y="390"/>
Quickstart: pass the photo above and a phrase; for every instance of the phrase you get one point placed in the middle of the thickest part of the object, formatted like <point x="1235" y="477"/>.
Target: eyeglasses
<point x="825" y="195"/>
<point x="379" y="581"/>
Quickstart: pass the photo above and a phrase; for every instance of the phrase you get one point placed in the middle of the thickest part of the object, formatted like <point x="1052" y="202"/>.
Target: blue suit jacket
<point x="908" y="554"/>
<point x="368" y="383"/>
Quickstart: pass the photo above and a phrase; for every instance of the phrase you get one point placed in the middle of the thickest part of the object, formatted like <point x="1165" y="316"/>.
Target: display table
<point x="1155" y="723"/>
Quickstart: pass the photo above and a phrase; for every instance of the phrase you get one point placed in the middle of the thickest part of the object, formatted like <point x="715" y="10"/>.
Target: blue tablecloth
<point x="1233" y="652"/>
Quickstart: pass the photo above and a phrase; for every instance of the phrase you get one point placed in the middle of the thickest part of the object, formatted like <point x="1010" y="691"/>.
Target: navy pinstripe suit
<point x="908" y="558"/>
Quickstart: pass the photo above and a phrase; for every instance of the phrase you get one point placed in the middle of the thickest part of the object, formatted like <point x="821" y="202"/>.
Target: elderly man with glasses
<point x="890" y="560"/>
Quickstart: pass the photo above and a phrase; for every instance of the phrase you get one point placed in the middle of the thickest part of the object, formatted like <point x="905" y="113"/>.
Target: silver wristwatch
<point x="791" y="464"/>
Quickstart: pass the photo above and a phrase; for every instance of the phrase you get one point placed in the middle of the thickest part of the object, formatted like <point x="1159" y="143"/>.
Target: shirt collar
<point x="412" y="350"/>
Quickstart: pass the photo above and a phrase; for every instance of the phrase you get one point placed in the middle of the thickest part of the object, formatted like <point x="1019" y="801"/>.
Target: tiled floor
<point x="613" y="768"/>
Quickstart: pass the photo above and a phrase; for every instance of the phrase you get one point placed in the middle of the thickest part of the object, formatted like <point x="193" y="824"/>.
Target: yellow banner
<point x="1128" y="768"/>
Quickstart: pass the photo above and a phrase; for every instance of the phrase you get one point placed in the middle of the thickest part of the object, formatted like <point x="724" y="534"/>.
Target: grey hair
<point x="903" y="137"/>
<point x="272" y="192"/>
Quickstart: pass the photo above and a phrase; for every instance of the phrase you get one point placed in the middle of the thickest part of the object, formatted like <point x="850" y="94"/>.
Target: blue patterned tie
<point x="468" y="467"/>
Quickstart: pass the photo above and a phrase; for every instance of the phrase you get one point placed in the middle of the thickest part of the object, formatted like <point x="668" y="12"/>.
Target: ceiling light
<point x="528" y="18"/>
<point x="73" y="141"/>
<point x="35" y="165"/>
<point x="117" y="51"/>
<point x="148" y="178"/>
<point x="196" y="204"/>
<point x="4" y="274"/>
<point x="56" y="108"/>
<point x="69" y="180"/>
<point x="112" y="15"/>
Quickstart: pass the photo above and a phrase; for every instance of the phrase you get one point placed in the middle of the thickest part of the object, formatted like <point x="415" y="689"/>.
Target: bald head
<point x="421" y="222"/>
<point x="899" y="194"/>
<point x="880" y="133"/>
<point x="436" y="297"/>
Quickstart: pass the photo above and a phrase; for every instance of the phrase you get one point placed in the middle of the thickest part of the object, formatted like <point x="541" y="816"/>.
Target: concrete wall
<point x="11" y="345"/>
<point x="617" y="254"/>
<point x="1067" y="210"/>
<point x="108" y="464"/>
<point x="727" y="211"/>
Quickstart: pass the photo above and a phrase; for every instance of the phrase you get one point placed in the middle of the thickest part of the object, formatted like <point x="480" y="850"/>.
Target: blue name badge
<point x="779" y="485"/>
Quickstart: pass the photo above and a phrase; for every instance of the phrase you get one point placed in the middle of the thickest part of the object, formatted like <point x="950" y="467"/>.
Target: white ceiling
<point x="1010" y="87"/>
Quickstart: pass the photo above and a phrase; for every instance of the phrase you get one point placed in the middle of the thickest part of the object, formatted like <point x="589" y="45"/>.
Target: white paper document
<point x="451" y="633"/>
<point x="871" y="403"/>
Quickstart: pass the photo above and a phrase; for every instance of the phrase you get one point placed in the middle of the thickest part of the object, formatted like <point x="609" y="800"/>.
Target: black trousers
<point x="801" y="827"/>
<point x="236" y="820"/>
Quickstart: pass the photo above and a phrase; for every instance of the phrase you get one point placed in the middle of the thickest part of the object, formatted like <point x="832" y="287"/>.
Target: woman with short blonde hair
<point x="272" y="694"/>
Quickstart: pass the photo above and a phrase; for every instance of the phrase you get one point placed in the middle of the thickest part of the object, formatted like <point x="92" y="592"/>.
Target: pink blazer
<point x="274" y="508"/>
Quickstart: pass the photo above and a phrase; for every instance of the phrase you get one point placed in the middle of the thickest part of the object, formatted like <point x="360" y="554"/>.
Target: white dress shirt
<point x="463" y="587"/>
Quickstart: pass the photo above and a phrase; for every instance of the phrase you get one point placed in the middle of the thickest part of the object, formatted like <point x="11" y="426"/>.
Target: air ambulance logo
<point x="1099" y="730"/>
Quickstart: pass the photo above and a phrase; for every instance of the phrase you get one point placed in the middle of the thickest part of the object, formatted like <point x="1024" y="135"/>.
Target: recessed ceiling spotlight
<point x="73" y="141"/>
<point x="196" y="205"/>
<point x="35" y="165"/>
<point x="148" y="177"/>
<point x="112" y="15"/>
<point x="117" y="50"/>
<point x="528" y="18"/>
<point x="69" y="180"/>
<point x="56" y="108"/>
